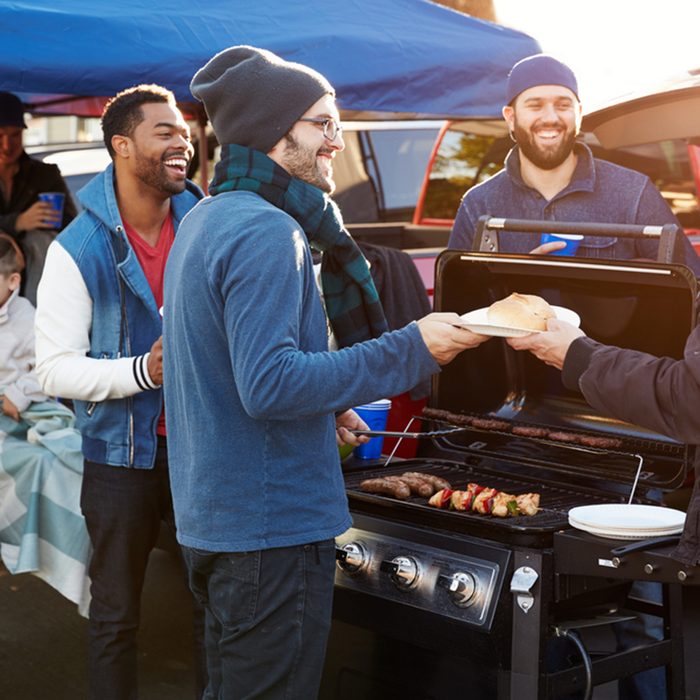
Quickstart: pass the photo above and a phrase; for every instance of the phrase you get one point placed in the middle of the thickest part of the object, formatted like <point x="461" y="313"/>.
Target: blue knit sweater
<point x="250" y="386"/>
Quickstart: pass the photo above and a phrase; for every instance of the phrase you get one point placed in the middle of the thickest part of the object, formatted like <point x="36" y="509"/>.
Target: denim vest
<point x="125" y="322"/>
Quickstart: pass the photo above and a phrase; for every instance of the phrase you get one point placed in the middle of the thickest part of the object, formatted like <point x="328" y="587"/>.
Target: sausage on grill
<point x="418" y="487"/>
<point x="446" y="416"/>
<point x="530" y="431"/>
<point x="387" y="487"/>
<point x="560" y="436"/>
<point x="604" y="443"/>
<point x="436" y="481"/>
<point x="490" y="424"/>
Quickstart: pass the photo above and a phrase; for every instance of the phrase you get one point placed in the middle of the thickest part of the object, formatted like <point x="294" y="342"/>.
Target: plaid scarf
<point x="352" y="303"/>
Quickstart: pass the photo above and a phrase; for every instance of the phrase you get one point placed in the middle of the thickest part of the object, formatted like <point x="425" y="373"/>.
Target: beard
<point x="154" y="173"/>
<point x="302" y="162"/>
<point x="546" y="158"/>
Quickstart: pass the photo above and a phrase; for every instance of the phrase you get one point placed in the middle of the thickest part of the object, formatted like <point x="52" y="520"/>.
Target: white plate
<point x="623" y="534"/>
<point x="628" y="517"/>
<point x="477" y="321"/>
<point x="646" y="531"/>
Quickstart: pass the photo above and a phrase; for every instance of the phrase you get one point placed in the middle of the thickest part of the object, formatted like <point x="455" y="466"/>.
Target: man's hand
<point x="39" y="215"/>
<point x="9" y="409"/>
<point x="155" y="362"/>
<point x="346" y="422"/>
<point x="547" y="248"/>
<point x="444" y="340"/>
<point x="551" y="345"/>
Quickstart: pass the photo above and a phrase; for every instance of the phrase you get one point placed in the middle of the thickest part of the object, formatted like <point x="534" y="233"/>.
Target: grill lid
<point x="645" y="306"/>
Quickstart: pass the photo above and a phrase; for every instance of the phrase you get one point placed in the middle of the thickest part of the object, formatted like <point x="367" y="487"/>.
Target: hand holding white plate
<point x="477" y="321"/>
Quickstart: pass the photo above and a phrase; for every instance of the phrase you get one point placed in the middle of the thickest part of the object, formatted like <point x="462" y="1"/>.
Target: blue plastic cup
<point x="375" y="414"/>
<point x="56" y="200"/>
<point x="572" y="241"/>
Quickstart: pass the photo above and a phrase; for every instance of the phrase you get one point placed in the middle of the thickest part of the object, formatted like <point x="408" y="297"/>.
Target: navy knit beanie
<point x="253" y="97"/>
<point x="540" y="69"/>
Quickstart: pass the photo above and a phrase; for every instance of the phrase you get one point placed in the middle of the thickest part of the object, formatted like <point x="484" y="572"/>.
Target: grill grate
<point x="555" y="500"/>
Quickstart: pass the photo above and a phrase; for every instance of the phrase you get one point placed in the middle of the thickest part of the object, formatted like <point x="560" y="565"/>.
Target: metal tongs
<point x="406" y="434"/>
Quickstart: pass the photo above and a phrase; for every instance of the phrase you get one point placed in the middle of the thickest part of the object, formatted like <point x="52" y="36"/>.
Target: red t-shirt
<point x="153" y="259"/>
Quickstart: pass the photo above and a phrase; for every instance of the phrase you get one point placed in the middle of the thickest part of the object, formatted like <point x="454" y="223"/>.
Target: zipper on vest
<point x="130" y="400"/>
<point x="131" y="431"/>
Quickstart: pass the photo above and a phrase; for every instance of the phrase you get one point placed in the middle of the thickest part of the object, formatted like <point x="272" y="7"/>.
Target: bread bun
<point x="525" y="311"/>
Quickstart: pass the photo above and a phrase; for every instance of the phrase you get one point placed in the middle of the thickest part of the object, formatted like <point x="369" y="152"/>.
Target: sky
<point x="613" y="46"/>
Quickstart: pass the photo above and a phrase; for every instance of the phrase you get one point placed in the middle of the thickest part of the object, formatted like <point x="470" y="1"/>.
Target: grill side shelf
<point x="581" y="553"/>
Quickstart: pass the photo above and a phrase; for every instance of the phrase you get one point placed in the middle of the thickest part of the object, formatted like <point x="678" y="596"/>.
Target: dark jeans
<point x="644" y="630"/>
<point x="123" y="509"/>
<point x="268" y="615"/>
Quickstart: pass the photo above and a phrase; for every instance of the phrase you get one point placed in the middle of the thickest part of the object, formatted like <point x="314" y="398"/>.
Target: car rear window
<point x="668" y="166"/>
<point x="463" y="160"/>
<point x="380" y="172"/>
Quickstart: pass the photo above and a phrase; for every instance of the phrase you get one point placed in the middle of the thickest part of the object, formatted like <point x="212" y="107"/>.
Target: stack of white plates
<point x="627" y="522"/>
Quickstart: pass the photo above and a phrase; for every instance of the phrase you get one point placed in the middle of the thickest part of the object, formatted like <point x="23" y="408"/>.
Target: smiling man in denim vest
<point x="98" y="342"/>
<point x="551" y="176"/>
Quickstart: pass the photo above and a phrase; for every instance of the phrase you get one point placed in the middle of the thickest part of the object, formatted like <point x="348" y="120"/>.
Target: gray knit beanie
<point x="253" y="97"/>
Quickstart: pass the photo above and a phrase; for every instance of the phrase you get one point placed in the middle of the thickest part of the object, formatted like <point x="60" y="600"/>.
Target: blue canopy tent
<point x="388" y="57"/>
<point x="385" y="58"/>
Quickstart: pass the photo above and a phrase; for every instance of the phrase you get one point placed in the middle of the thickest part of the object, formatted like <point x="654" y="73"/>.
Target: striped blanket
<point x="42" y="530"/>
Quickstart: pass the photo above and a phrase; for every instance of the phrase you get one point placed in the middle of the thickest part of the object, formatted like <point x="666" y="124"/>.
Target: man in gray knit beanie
<point x="246" y="355"/>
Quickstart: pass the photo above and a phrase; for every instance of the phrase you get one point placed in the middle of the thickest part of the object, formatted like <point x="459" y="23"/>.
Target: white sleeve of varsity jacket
<point x="62" y="324"/>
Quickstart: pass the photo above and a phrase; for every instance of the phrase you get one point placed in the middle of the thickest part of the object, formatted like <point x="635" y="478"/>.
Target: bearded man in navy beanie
<point x="550" y="175"/>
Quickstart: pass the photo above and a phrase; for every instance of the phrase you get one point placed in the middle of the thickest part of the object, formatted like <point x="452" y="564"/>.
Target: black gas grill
<point x="431" y="603"/>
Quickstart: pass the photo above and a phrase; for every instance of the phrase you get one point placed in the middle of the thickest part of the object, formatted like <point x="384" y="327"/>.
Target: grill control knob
<point x="404" y="571"/>
<point x="461" y="587"/>
<point x="351" y="557"/>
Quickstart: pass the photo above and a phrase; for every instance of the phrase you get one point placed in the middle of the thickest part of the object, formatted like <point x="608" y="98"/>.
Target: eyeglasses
<point x="331" y="128"/>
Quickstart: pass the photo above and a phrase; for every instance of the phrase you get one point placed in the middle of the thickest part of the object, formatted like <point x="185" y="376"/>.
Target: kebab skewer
<point x="487" y="501"/>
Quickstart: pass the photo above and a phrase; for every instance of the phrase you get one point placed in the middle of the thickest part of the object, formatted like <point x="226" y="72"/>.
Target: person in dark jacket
<point x="29" y="221"/>
<point x="659" y="393"/>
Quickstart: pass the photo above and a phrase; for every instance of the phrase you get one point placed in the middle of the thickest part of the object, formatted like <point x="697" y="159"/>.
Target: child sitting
<point x="42" y="530"/>
<point x="18" y="382"/>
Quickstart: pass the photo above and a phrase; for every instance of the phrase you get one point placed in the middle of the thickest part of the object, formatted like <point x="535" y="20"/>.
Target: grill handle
<point x="640" y="545"/>
<point x="486" y="237"/>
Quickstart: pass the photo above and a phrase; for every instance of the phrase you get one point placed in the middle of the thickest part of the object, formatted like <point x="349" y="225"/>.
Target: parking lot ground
<point x="43" y="640"/>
